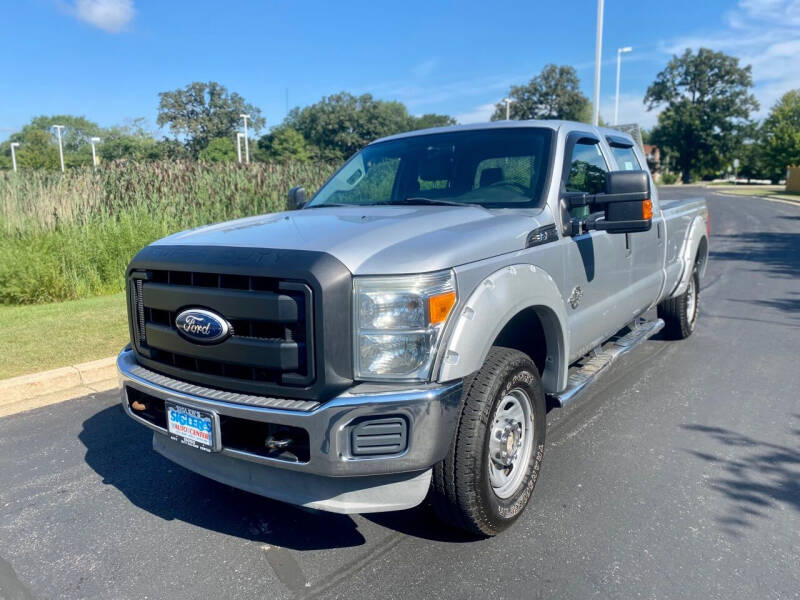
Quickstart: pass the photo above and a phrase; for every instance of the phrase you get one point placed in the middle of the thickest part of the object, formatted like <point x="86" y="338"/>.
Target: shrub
<point x="668" y="178"/>
<point x="71" y="236"/>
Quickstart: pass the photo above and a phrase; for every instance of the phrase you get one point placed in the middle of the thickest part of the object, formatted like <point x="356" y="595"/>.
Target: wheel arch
<point x="695" y="252"/>
<point x="520" y="307"/>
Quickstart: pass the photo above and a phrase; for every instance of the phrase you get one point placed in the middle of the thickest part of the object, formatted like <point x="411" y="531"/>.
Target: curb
<point x="83" y="378"/>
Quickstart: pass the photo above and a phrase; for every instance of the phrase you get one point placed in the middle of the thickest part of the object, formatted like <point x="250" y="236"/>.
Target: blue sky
<point x="108" y="59"/>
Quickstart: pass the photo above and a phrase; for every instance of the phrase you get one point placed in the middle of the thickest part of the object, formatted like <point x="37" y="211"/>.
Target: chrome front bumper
<point x="431" y="412"/>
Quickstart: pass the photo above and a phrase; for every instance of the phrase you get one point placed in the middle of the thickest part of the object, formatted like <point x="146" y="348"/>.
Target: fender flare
<point x="494" y="302"/>
<point x="695" y="236"/>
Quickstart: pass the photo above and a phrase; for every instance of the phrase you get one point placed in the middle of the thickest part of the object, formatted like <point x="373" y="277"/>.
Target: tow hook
<point x="278" y="444"/>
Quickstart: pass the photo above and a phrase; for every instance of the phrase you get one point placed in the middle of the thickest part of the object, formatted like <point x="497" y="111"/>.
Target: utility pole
<point x="620" y="52"/>
<point x="239" y="136"/>
<point x="508" y="102"/>
<point x="14" y="155"/>
<point x="94" y="154"/>
<point x="246" y="146"/>
<point x="58" y="129"/>
<point x="598" y="55"/>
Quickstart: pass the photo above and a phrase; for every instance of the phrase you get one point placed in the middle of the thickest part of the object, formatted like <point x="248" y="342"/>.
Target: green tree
<point x="219" y="150"/>
<point x="780" y="136"/>
<point x="203" y="111"/>
<point x="340" y="124"/>
<point x="285" y="143"/>
<point x="131" y="142"/>
<point x="707" y="105"/>
<point x="430" y="120"/>
<point x="751" y="161"/>
<point x="74" y="136"/>
<point x="552" y="94"/>
<point x="38" y="148"/>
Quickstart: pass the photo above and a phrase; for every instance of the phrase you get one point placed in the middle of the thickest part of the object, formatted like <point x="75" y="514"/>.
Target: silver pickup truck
<point x="402" y="335"/>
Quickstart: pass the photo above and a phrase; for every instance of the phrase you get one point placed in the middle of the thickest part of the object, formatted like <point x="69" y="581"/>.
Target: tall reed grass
<point x="68" y="236"/>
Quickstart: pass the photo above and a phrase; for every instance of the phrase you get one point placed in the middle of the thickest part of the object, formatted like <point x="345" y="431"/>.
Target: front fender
<point x="495" y="301"/>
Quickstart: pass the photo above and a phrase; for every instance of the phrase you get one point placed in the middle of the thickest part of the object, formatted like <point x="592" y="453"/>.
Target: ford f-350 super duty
<point x="399" y="336"/>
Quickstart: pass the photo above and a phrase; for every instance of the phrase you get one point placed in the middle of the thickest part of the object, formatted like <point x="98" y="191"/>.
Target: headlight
<point x="398" y="322"/>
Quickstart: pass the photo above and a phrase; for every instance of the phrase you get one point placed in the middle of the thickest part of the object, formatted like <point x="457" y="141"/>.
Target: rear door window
<point x="626" y="158"/>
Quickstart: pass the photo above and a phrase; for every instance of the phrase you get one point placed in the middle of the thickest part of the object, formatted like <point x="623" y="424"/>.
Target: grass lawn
<point x="775" y="191"/>
<point x="45" y="336"/>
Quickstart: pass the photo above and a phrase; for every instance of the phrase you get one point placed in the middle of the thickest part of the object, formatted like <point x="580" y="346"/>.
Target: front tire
<point x="680" y="313"/>
<point x="485" y="482"/>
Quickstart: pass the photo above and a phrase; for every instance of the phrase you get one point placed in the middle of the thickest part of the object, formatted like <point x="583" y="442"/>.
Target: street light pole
<point x="94" y="154"/>
<point x="598" y="52"/>
<point x="620" y="52"/>
<point x="246" y="146"/>
<point x="239" y="136"/>
<point x="14" y="155"/>
<point x="58" y="129"/>
<point x="508" y="102"/>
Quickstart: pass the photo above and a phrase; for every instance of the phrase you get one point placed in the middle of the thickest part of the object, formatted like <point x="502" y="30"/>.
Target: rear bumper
<point x="332" y="478"/>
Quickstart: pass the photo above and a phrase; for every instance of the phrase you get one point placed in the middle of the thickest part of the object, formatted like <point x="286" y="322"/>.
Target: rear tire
<point x="486" y="480"/>
<point x="680" y="313"/>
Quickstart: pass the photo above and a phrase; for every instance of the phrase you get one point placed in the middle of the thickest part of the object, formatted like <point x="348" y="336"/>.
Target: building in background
<point x="653" y="155"/>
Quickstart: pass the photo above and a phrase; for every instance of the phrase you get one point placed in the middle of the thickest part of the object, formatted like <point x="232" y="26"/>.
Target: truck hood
<point x="373" y="240"/>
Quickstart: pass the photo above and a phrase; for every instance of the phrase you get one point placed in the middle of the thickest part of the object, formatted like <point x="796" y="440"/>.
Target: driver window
<point x="587" y="169"/>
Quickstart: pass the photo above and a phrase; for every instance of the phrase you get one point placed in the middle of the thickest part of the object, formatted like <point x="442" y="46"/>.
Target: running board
<point x="599" y="360"/>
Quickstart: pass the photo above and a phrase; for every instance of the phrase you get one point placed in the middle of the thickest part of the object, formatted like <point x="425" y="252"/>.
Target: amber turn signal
<point x="439" y="306"/>
<point x="647" y="209"/>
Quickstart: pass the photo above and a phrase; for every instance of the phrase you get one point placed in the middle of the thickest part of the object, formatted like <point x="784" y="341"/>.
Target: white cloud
<point x="631" y="110"/>
<point x="414" y="94"/>
<point x="425" y="68"/>
<point x="112" y="16"/>
<point x="479" y="114"/>
<point x="761" y="33"/>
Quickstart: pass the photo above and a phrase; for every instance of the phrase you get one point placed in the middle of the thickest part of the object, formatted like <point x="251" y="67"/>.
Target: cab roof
<point x="554" y="124"/>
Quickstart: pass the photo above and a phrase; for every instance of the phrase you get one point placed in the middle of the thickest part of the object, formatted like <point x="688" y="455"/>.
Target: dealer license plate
<point x="191" y="426"/>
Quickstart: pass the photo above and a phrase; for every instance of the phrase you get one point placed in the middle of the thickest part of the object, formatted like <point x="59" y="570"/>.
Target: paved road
<point x="679" y="479"/>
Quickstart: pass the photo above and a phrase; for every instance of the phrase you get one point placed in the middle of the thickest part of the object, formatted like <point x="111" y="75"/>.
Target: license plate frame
<point x="189" y="426"/>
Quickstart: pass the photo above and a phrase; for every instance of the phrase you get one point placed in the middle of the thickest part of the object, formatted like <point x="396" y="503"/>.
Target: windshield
<point x="490" y="167"/>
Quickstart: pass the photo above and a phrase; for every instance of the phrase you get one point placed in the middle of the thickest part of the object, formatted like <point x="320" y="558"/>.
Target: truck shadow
<point x="773" y="252"/>
<point x="120" y="451"/>
<point x="756" y="476"/>
<point x="788" y="305"/>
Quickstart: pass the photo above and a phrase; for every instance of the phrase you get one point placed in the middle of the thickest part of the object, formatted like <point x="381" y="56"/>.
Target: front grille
<point x="272" y="340"/>
<point x="289" y="312"/>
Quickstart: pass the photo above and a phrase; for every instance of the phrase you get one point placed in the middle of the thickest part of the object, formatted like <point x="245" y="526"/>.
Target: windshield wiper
<point x="429" y="202"/>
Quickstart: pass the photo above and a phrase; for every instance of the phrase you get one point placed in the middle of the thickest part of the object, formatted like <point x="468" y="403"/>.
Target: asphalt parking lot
<point x="678" y="478"/>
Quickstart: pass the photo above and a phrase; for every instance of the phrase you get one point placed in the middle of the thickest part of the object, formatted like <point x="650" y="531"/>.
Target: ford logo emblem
<point x="202" y="326"/>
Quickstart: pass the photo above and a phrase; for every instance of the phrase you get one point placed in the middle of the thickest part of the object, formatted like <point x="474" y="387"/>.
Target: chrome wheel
<point x="691" y="301"/>
<point x="510" y="443"/>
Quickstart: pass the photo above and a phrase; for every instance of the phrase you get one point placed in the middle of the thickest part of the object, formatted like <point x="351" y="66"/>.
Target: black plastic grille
<point x="271" y="323"/>
<point x="238" y="434"/>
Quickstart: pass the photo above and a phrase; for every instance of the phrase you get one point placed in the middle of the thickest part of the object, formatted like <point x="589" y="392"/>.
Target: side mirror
<point x="627" y="204"/>
<point x="297" y="197"/>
